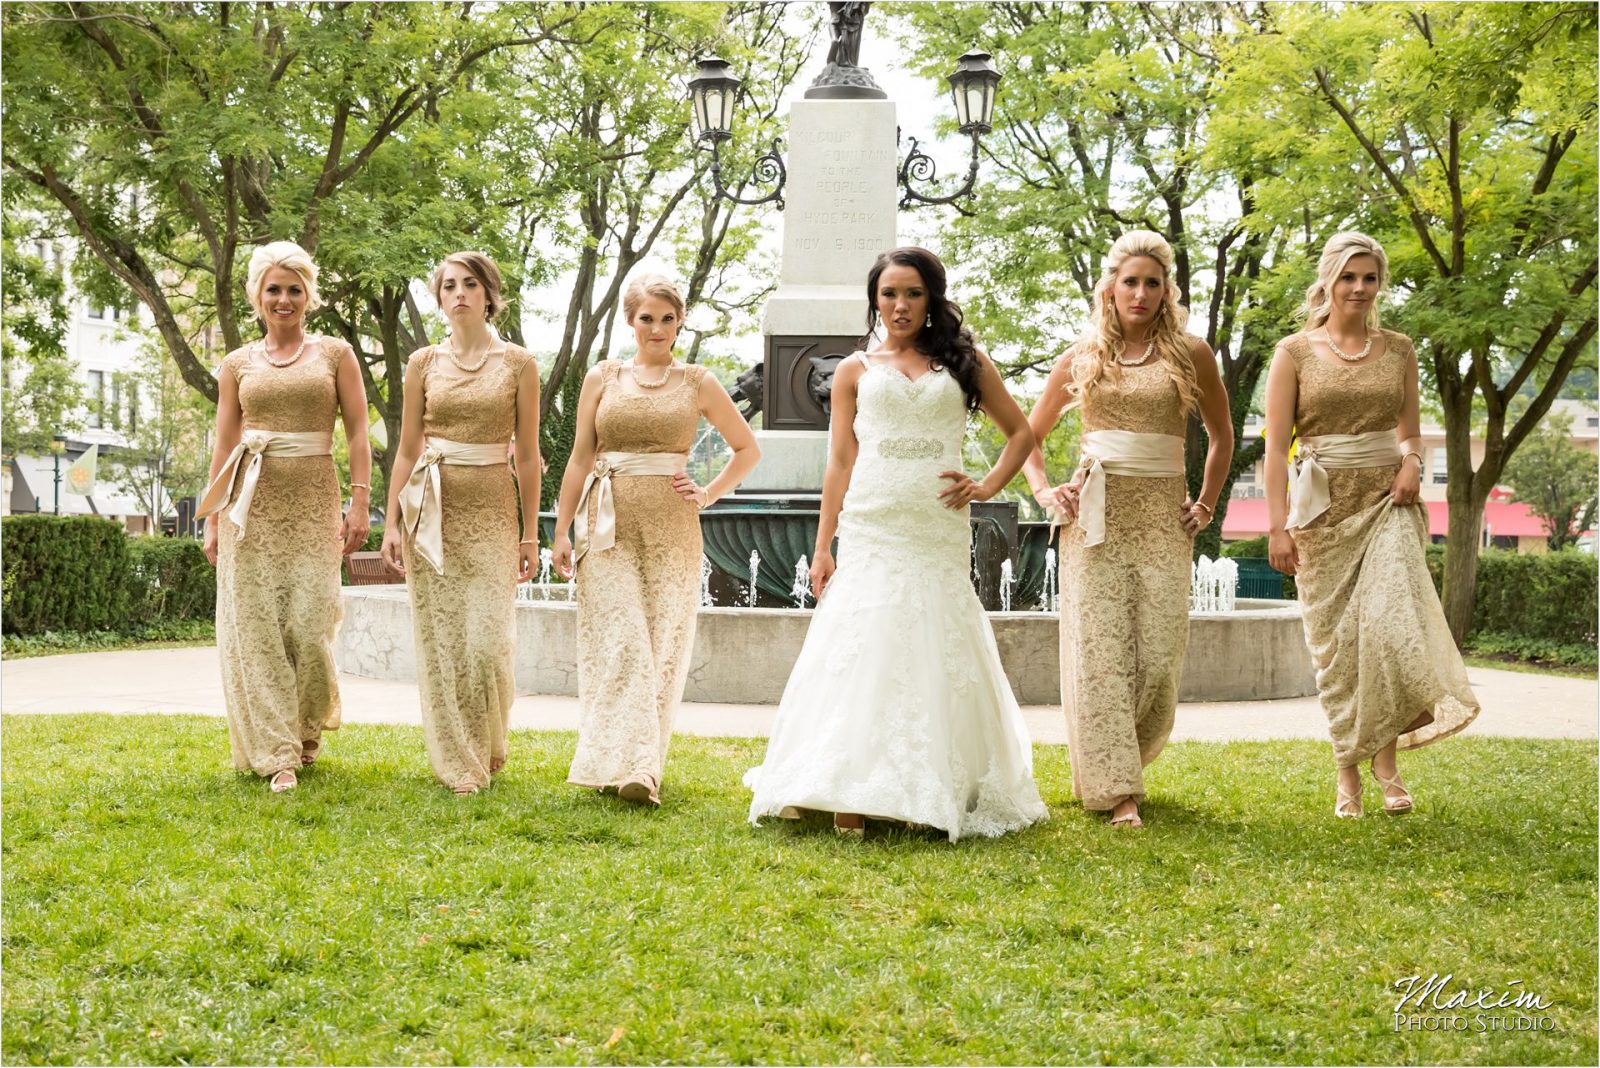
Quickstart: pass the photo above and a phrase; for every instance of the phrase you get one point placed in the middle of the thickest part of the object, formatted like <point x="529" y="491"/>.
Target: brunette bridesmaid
<point x="469" y="404"/>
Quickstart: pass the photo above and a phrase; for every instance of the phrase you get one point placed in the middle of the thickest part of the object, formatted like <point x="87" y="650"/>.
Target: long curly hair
<point x="945" y="339"/>
<point x="1097" y="353"/>
<point x="1340" y="250"/>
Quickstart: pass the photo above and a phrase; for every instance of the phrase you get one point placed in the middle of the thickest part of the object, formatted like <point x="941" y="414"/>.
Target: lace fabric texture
<point x="898" y="707"/>
<point x="1387" y="667"/>
<point x="1125" y="604"/>
<point x="464" y="620"/>
<point x="278" y="589"/>
<point x="637" y="599"/>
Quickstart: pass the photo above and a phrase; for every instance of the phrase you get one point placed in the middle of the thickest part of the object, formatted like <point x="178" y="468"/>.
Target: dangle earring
<point x="928" y="321"/>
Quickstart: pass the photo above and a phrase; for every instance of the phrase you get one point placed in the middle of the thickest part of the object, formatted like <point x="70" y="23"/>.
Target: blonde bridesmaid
<point x="273" y="524"/>
<point x="1125" y="552"/>
<point x="1347" y="522"/>
<point x="457" y="540"/>
<point x="637" y="555"/>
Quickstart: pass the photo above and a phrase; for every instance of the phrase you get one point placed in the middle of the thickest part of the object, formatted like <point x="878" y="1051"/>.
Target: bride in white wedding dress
<point x="898" y="708"/>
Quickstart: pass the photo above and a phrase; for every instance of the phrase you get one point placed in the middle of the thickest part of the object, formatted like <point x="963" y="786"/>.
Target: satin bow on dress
<point x="598" y="482"/>
<point x="1308" y="476"/>
<point x="1124" y="453"/>
<point x="421" y="510"/>
<point x="258" y="444"/>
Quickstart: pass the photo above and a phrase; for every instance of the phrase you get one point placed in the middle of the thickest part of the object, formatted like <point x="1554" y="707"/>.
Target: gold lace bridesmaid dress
<point x="278" y="585"/>
<point x="465" y="618"/>
<point x="637" y="600"/>
<point x="1386" y="665"/>
<point x="1125" y="603"/>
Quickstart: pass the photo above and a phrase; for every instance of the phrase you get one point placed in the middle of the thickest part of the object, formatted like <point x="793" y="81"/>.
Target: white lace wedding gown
<point x="898" y="707"/>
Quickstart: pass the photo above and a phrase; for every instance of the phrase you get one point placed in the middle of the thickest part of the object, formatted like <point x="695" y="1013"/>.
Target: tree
<point x="166" y="456"/>
<point x="1101" y="127"/>
<point x="174" y="137"/>
<point x="1463" y="137"/>
<point x="43" y="396"/>
<point x="1556" y="480"/>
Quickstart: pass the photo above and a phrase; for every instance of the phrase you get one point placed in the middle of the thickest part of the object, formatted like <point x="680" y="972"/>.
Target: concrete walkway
<point x="1515" y="704"/>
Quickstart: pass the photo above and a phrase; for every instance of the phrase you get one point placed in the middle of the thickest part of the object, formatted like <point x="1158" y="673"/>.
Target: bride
<point x="897" y="708"/>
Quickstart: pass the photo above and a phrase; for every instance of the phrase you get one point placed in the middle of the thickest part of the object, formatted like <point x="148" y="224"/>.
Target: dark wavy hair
<point x="945" y="340"/>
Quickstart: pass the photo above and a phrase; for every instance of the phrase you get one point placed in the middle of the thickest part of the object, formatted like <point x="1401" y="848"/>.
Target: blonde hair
<point x="481" y="267"/>
<point x="1336" y="254"/>
<point x="1098" y="352"/>
<point x="289" y="256"/>
<point x="651" y="285"/>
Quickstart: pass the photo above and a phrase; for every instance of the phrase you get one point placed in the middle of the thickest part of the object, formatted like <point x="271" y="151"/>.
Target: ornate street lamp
<point x="713" y="92"/>
<point x="58" y="445"/>
<point x="972" y="89"/>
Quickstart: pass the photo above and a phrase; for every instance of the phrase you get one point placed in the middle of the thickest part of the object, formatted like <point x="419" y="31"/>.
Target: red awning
<point x="1247" y="518"/>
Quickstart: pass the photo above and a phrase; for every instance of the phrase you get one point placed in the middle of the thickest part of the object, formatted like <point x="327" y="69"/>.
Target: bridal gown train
<point x="898" y="707"/>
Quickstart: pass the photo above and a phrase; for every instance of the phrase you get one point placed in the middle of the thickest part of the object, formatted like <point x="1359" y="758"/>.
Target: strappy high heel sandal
<point x="1394" y="806"/>
<point x="1347" y="806"/>
<point x="1129" y="820"/>
<point x="283" y="782"/>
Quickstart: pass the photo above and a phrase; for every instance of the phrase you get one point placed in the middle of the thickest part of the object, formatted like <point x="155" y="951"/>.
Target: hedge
<point x="63" y="573"/>
<point x="169" y="580"/>
<point x="1550" y="597"/>
<point x="84" y="574"/>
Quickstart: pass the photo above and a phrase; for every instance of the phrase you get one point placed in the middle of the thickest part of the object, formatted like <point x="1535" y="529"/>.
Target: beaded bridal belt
<point x="910" y="448"/>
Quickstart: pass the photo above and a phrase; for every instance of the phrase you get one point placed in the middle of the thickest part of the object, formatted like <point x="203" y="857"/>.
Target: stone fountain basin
<point x="744" y="655"/>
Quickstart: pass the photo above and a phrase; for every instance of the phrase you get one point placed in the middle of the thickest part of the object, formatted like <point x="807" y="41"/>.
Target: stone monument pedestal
<point x="839" y="217"/>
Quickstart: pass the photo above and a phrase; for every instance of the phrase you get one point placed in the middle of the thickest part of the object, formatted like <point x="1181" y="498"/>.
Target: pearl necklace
<point x="450" y="350"/>
<point x="1143" y="356"/>
<point x="633" y="369"/>
<point x="1343" y="355"/>
<point x="261" y="346"/>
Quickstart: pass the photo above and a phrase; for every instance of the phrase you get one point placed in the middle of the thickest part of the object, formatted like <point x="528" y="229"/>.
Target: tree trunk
<point x="1462" y="545"/>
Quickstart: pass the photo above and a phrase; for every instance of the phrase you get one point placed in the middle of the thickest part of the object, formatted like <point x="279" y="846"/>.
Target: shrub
<point x="1551" y="597"/>
<point x="1537" y="650"/>
<point x="63" y="573"/>
<point x="169" y="580"/>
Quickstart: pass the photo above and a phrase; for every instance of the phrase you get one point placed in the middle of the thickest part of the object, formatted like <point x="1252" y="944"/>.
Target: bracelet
<point x="1209" y="510"/>
<point x="1415" y="453"/>
<point x="361" y="485"/>
<point x="527" y="541"/>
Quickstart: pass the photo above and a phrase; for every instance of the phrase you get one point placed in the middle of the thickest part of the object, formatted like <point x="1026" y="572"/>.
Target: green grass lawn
<point x="159" y="907"/>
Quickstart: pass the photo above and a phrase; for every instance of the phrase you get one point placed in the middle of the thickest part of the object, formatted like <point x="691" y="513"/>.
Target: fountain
<point x="841" y="213"/>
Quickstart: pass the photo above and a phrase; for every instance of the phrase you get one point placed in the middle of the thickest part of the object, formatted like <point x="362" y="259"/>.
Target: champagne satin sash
<point x="258" y="443"/>
<point x="1308" y="476"/>
<point x="598" y="482"/>
<point x="1121" y="452"/>
<point x="421" y="513"/>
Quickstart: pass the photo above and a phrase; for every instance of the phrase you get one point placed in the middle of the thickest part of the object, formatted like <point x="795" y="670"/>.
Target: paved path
<point x="1515" y="704"/>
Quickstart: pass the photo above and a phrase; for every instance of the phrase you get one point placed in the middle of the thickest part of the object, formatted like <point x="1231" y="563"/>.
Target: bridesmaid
<point x="638" y="542"/>
<point x="1125" y="561"/>
<point x="277" y="546"/>
<point x="1346" y="520"/>
<point x="457" y="501"/>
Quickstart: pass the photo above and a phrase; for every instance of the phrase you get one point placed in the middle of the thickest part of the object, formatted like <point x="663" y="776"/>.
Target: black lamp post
<point x="715" y="88"/>
<point x="972" y="89"/>
<point x="713" y="91"/>
<point x="58" y="445"/>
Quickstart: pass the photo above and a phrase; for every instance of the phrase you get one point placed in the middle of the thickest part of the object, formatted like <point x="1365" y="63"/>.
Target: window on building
<point x="1247" y="477"/>
<point x="133" y="407"/>
<point x="1440" y="469"/>
<point x="1594" y="421"/>
<point x="116" y="402"/>
<point x="94" y="311"/>
<point x="97" y="397"/>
